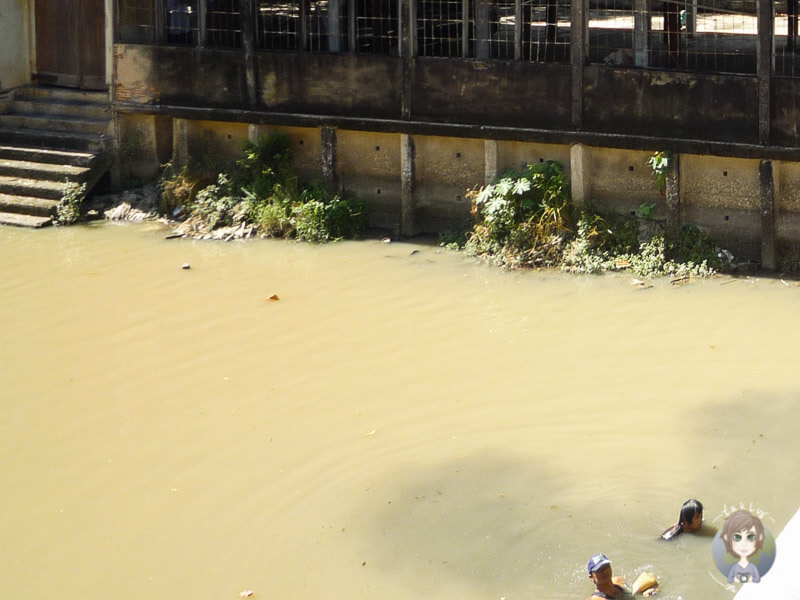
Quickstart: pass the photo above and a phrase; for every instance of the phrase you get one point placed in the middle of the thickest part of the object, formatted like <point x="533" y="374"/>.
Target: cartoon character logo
<point x="743" y="549"/>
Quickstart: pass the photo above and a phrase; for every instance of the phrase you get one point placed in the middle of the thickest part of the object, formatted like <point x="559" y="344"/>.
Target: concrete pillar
<point x="765" y="58"/>
<point x="766" y="187"/>
<point x="579" y="176"/>
<point x="253" y="133"/>
<point x="408" y="210"/>
<point x="578" y="44"/>
<point x="482" y="29"/>
<point x="489" y="161"/>
<point x="672" y="195"/>
<point x="180" y="142"/>
<point x="641" y="32"/>
<point x="330" y="174"/>
<point x="334" y="27"/>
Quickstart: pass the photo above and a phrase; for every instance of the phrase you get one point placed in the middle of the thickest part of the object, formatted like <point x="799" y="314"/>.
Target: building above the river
<point x="407" y="104"/>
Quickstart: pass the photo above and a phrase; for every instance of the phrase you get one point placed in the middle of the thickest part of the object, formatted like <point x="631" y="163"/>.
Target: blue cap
<point x="597" y="561"/>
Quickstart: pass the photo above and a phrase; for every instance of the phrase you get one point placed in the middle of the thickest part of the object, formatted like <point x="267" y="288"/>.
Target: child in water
<point x="690" y="519"/>
<point x="609" y="587"/>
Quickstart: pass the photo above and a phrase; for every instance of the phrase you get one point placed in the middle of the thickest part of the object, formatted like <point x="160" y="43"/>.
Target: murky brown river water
<point x="401" y="423"/>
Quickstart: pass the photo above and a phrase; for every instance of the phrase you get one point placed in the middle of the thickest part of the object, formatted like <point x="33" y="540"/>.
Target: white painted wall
<point x="15" y="19"/>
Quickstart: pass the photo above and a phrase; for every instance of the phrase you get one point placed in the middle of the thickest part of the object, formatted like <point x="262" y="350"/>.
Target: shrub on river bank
<point x="526" y="219"/>
<point x="258" y="195"/>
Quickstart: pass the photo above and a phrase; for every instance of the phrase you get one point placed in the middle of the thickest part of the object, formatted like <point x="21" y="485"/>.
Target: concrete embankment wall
<point x="415" y="183"/>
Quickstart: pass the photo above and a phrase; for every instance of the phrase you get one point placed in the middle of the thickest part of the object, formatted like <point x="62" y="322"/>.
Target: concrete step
<point x="60" y="123"/>
<point x="44" y="155"/>
<point x="28" y="205"/>
<point x="57" y="109"/>
<point x="44" y="92"/>
<point x="38" y="170"/>
<point x="52" y="140"/>
<point x="36" y="188"/>
<point x="19" y="220"/>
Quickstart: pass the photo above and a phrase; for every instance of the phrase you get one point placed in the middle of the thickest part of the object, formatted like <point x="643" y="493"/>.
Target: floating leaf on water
<point x="273" y="298"/>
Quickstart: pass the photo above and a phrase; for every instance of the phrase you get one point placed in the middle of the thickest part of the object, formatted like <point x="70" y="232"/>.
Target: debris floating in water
<point x="186" y="266"/>
<point x="247" y="594"/>
<point x="273" y="298"/>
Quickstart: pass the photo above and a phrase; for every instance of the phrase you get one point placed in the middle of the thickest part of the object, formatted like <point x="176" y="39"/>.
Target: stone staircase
<point x="48" y="136"/>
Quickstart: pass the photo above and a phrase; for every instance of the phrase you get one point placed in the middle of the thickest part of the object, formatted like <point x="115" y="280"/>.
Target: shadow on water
<point x="475" y="522"/>
<point x="492" y="525"/>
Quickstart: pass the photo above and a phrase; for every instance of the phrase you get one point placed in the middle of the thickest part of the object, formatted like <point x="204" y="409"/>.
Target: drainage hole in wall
<point x="300" y="142"/>
<point x="459" y="198"/>
<point x="229" y="137"/>
<point x="378" y="191"/>
<point x="377" y="148"/>
<point x="727" y="218"/>
<point x="458" y="154"/>
<point x="724" y="173"/>
<point x="630" y="167"/>
<point x="541" y="160"/>
<point x="633" y="213"/>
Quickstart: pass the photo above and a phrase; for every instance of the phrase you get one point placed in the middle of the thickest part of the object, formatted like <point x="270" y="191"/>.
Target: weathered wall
<point x="622" y="181"/>
<point x="721" y="195"/>
<point x="513" y="93"/>
<point x="14" y="43"/>
<point x="369" y="169"/>
<point x="785" y="123"/>
<point x="180" y="76"/>
<point x="672" y="105"/>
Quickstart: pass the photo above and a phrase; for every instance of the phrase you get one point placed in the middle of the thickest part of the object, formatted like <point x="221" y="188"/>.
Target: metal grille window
<point x="376" y="24"/>
<point x="715" y="36"/>
<point x="505" y="29"/>
<point x="136" y="21"/>
<point x="327" y="26"/>
<point x="787" y="60"/>
<point x="444" y="28"/>
<point x="182" y="22"/>
<point x="224" y="23"/>
<point x="546" y="30"/>
<point x="278" y="25"/>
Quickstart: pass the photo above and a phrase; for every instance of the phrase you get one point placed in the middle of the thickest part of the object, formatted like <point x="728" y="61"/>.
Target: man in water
<point x="609" y="587"/>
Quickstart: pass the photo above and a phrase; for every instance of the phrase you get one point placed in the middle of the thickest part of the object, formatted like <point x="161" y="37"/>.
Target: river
<point x="398" y="422"/>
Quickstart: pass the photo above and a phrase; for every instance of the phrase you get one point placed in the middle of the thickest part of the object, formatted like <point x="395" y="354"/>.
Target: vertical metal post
<point x="765" y="60"/>
<point x="518" y="25"/>
<point x="578" y="43"/>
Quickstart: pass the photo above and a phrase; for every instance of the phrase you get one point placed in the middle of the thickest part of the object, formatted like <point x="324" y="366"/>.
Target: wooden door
<point x="70" y="43"/>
